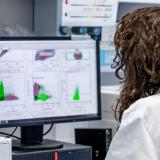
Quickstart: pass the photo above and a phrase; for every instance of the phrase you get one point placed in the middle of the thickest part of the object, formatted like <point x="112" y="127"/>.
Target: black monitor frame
<point x="31" y="126"/>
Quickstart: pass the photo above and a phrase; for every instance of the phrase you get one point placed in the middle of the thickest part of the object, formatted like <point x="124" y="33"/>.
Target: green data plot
<point x="39" y="94"/>
<point x="6" y="96"/>
<point x="2" y="94"/>
<point x="43" y="97"/>
<point x="76" y="96"/>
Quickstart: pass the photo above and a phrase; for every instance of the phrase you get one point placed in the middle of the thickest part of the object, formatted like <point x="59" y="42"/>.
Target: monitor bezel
<point x="42" y="121"/>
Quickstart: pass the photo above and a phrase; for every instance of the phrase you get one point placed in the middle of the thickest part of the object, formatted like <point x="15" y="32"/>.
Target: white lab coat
<point x="138" y="137"/>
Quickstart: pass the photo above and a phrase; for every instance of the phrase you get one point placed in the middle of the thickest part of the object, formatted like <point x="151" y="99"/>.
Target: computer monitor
<point x="47" y="80"/>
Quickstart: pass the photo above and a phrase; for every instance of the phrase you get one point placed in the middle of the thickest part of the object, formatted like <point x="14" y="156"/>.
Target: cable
<point x="12" y="132"/>
<point x="50" y="128"/>
<point x="6" y="134"/>
<point x="11" y="135"/>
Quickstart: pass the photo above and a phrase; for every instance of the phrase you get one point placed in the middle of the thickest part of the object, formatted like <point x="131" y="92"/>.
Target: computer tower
<point x="98" y="139"/>
<point x="67" y="152"/>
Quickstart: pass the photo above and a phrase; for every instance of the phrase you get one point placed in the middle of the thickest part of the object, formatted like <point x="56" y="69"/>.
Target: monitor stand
<point x="32" y="139"/>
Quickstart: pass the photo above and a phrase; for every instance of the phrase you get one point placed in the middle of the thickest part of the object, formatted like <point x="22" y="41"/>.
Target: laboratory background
<point x="86" y="22"/>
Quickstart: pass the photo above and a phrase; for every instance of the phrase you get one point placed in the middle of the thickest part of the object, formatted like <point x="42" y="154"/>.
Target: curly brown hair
<point x="137" y="60"/>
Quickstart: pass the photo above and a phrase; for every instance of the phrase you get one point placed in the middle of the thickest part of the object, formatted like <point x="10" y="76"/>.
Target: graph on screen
<point x="51" y="81"/>
<point x="5" y="55"/>
<point x="78" y="88"/>
<point x="45" y="87"/>
<point x="4" y="95"/>
<point x="77" y="54"/>
<point x="11" y="90"/>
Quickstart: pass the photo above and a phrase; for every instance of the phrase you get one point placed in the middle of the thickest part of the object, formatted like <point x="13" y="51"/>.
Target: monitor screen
<point x="49" y="80"/>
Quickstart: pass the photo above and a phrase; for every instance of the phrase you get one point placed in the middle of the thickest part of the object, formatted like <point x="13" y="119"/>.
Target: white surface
<point x="108" y="36"/>
<point x="88" y="12"/>
<point x="115" y="89"/>
<point x="5" y="149"/>
<point x="85" y="13"/>
<point x="109" y="95"/>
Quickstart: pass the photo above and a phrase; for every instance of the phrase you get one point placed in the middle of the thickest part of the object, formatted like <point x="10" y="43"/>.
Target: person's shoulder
<point x="146" y="109"/>
<point x="150" y="103"/>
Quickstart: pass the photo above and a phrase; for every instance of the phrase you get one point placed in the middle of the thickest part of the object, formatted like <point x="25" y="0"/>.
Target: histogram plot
<point x="45" y="88"/>
<point x="11" y="55"/>
<point x="78" y="89"/>
<point x="76" y="94"/>
<point x="12" y="88"/>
